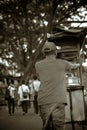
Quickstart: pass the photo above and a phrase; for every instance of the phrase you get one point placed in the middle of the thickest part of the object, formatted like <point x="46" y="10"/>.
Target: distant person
<point x="36" y="86"/>
<point x="52" y="93"/>
<point x="10" y="93"/>
<point x="23" y="92"/>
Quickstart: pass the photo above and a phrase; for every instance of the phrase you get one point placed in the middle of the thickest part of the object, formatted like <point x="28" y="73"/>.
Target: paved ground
<point x="30" y="121"/>
<point x="18" y="121"/>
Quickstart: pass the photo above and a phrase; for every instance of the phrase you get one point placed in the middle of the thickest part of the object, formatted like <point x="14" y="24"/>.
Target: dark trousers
<point x="11" y="105"/>
<point x="35" y="104"/>
<point x="24" y="106"/>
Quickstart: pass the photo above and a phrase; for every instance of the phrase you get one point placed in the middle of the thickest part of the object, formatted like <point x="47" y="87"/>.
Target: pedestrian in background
<point x="36" y="85"/>
<point x="52" y="93"/>
<point x="23" y="92"/>
<point x="10" y="92"/>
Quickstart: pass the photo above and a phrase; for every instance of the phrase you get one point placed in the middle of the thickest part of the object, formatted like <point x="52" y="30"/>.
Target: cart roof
<point x="70" y="41"/>
<point x="63" y="37"/>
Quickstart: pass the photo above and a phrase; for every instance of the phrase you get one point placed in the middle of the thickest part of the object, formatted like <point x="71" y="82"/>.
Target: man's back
<point x="52" y="77"/>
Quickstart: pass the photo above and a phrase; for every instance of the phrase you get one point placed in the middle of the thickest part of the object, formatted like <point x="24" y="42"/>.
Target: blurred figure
<point x="36" y="85"/>
<point x="10" y="92"/>
<point x="24" y="99"/>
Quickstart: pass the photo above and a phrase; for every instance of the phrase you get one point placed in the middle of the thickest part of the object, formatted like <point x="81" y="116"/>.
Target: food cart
<point x="69" y="43"/>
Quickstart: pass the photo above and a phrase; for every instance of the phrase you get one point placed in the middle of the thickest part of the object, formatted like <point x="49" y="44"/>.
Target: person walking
<point x="23" y="92"/>
<point x="52" y="93"/>
<point x="36" y="86"/>
<point x="10" y="91"/>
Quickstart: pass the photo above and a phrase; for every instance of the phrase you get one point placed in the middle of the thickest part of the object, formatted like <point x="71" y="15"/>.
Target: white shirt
<point x="36" y="85"/>
<point x="12" y="91"/>
<point x="21" y="89"/>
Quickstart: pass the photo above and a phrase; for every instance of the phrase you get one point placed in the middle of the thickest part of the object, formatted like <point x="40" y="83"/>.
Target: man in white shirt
<point x="11" y="99"/>
<point x="23" y="88"/>
<point x="36" y="85"/>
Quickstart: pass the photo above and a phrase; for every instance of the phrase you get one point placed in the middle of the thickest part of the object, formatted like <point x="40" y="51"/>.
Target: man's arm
<point x="72" y="66"/>
<point x="75" y="66"/>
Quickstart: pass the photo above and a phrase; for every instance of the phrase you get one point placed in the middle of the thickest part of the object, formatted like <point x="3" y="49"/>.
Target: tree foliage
<point x="24" y="25"/>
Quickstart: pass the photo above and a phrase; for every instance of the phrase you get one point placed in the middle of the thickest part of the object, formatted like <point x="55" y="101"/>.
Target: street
<point x="18" y="121"/>
<point x="31" y="121"/>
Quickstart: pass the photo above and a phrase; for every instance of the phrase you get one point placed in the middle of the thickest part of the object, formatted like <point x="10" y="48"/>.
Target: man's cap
<point x="49" y="46"/>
